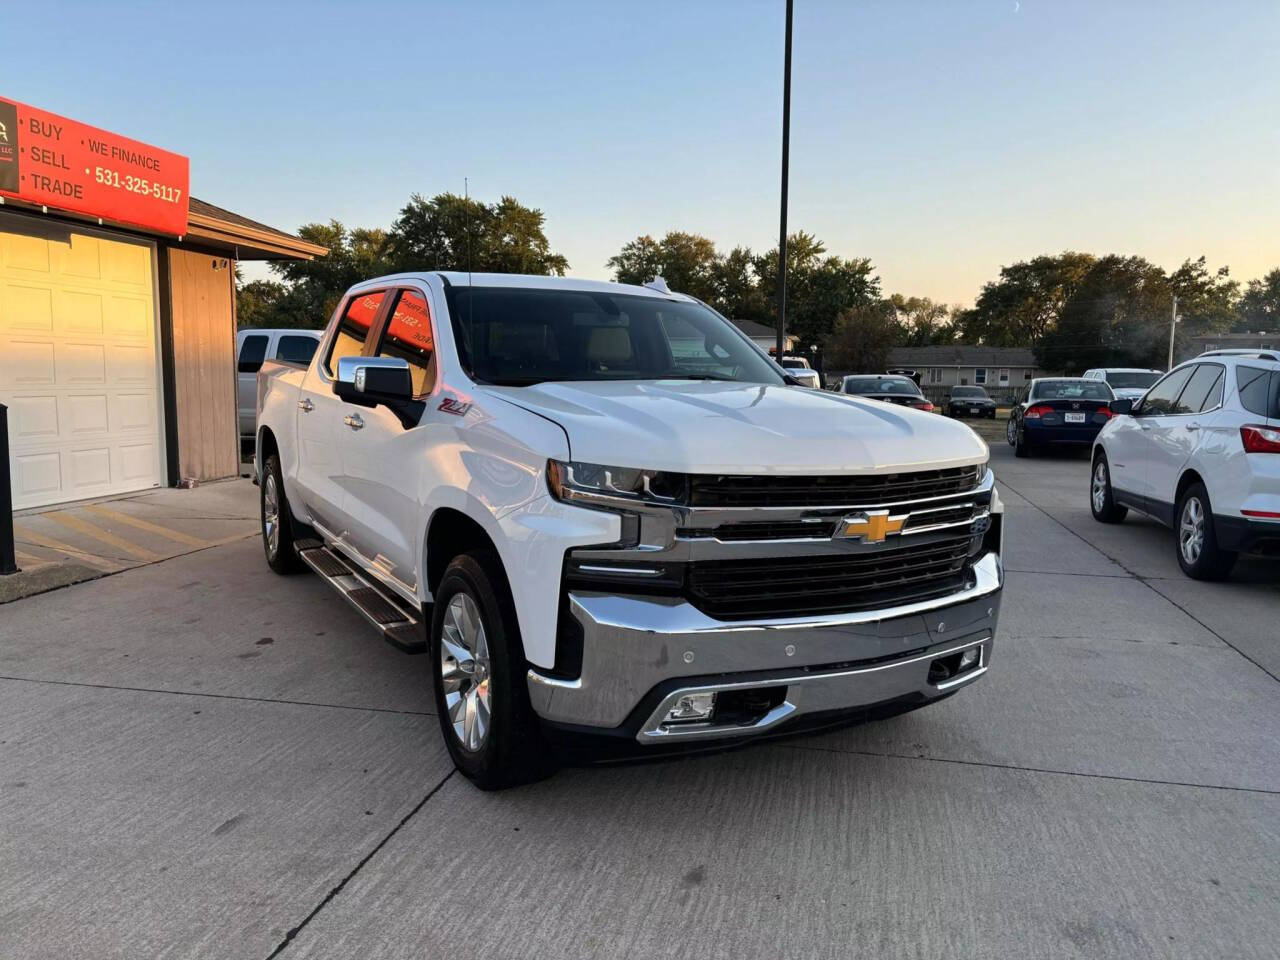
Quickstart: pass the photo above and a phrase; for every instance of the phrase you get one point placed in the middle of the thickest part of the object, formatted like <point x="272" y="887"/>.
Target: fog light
<point x="969" y="658"/>
<point x="691" y="707"/>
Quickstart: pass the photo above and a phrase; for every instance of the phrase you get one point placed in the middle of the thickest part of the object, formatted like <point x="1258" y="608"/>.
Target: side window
<point x="353" y="328"/>
<point x="409" y="337"/>
<point x="980" y="375"/>
<point x="1163" y="397"/>
<point x="252" y="352"/>
<point x="1259" y="390"/>
<point x="293" y="348"/>
<point x="1203" y="390"/>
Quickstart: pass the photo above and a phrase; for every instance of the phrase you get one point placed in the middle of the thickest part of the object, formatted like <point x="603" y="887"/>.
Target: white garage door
<point x="78" y="362"/>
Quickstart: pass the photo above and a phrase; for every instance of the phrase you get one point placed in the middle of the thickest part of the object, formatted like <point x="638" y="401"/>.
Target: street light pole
<point x="782" y="230"/>
<point x="1173" y="323"/>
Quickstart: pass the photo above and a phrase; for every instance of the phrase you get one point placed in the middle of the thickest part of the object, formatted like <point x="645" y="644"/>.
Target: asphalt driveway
<point x="200" y="759"/>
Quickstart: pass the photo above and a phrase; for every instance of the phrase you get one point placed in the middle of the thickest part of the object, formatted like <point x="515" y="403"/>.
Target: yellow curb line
<point x="169" y="534"/>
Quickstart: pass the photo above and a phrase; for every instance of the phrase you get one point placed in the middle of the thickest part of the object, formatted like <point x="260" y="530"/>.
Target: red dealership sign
<point x="50" y="160"/>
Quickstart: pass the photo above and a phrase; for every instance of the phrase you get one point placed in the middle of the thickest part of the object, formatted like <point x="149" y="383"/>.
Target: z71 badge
<point x="458" y="408"/>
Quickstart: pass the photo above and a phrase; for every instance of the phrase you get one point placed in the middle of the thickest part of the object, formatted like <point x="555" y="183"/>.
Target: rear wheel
<point x="1101" y="499"/>
<point x="1021" y="445"/>
<point x="1011" y="432"/>
<point x="277" y="525"/>
<point x="479" y="670"/>
<point x="1198" y="552"/>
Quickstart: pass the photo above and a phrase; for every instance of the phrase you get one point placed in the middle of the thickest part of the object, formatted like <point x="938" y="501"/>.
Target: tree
<point x="862" y="338"/>
<point x="258" y="301"/>
<point x="923" y="322"/>
<point x="1206" y="301"/>
<point x="688" y="262"/>
<point x="449" y="232"/>
<point x="819" y="289"/>
<point x="1026" y="302"/>
<point x="1259" y="308"/>
<point x="738" y="295"/>
<point x="1117" y="316"/>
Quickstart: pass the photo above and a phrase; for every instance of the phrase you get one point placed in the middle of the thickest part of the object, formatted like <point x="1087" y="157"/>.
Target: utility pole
<point x="1173" y="324"/>
<point x="782" y="230"/>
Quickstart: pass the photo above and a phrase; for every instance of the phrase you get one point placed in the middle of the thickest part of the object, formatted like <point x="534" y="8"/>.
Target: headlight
<point x="982" y="474"/>
<point x="593" y="481"/>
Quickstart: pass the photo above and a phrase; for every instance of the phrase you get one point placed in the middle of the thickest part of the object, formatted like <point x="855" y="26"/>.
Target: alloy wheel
<point x="1191" y="530"/>
<point x="1100" y="486"/>
<point x="271" y="514"/>
<point x="465" y="672"/>
<point x="1011" y="432"/>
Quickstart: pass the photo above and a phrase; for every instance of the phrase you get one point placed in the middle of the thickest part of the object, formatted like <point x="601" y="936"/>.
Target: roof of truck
<point x="459" y="278"/>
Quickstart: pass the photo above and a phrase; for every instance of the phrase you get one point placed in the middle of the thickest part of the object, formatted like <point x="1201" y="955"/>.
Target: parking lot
<point x="201" y="759"/>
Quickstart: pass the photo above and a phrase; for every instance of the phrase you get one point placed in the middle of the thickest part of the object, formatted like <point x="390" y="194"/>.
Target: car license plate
<point x="974" y="410"/>
<point x="1075" y="418"/>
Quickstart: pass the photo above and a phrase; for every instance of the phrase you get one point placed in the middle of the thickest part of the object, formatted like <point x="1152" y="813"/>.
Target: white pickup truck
<point x="616" y="526"/>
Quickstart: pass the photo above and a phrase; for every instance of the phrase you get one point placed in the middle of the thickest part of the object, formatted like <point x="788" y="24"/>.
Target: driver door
<point x="1136" y="448"/>
<point x="387" y="457"/>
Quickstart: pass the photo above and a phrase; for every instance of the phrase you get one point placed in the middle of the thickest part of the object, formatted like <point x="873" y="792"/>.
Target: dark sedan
<point x="889" y="389"/>
<point x="970" y="402"/>
<point x="1062" y="411"/>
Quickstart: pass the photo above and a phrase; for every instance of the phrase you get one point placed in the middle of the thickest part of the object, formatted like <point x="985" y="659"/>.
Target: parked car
<point x="1200" y="452"/>
<point x="799" y="368"/>
<point x="889" y="389"/>
<point x="970" y="402"/>
<point x="608" y="546"/>
<point x="1127" y="383"/>
<point x="253" y="348"/>
<point x="1058" y="412"/>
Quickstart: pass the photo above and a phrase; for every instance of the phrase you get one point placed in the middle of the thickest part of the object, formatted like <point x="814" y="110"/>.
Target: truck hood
<point x="693" y="426"/>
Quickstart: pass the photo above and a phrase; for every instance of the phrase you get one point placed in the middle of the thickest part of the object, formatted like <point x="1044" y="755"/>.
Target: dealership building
<point x="117" y="313"/>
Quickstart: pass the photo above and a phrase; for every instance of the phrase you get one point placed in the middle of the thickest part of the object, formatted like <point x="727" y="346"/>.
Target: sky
<point x="940" y="139"/>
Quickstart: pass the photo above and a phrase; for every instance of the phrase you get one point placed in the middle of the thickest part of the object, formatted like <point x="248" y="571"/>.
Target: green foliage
<point x="862" y="337"/>
<point x="447" y="232"/>
<point x="1117" y="316"/>
<point x="924" y="323"/>
<point x="744" y="285"/>
<point x="1025" y="302"/>
<point x="1259" y="308"/>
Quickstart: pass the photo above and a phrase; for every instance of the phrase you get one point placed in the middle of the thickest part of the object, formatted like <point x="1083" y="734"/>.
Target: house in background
<point x="1231" y="341"/>
<point x="1001" y="370"/>
<point x="763" y="336"/>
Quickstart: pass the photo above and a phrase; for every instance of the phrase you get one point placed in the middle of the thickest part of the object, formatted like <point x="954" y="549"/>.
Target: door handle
<point x="306" y="406"/>
<point x="353" y="420"/>
<point x="1193" y="426"/>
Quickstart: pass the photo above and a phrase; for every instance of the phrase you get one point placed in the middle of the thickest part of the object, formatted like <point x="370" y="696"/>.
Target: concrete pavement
<point x="200" y="759"/>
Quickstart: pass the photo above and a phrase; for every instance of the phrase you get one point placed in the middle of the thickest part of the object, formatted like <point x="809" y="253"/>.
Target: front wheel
<point x="1198" y="552"/>
<point x="478" y="670"/>
<point x="1101" y="499"/>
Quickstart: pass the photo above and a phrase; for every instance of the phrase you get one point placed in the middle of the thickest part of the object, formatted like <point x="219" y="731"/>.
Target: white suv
<point x="1127" y="383"/>
<point x="1200" y="452"/>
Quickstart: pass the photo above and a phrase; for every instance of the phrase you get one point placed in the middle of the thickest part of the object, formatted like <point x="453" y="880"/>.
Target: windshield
<point x="518" y="336"/>
<point x="968" y="392"/>
<point x="1072" y="390"/>
<point x="890" y="385"/>
<point x="1131" y="380"/>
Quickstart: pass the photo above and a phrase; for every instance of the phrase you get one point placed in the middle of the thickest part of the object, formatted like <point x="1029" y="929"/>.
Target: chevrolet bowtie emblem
<point x="870" y="527"/>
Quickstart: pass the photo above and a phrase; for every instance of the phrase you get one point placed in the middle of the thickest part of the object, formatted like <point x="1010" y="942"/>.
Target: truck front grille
<point x="811" y="585"/>
<point x="712" y="490"/>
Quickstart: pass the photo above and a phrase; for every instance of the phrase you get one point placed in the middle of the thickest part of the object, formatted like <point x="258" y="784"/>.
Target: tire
<point x="276" y="520"/>
<point x="1011" y="432"/>
<point x="488" y="725"/>
<point x="1022" y="446"/>
<point x="1102" y="502"/>
<point x="1196" y="543"/>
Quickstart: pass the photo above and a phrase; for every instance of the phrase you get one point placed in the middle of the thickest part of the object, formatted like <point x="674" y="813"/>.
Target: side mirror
<point x="369" y="381"/>
<point x="1124" y="407"/>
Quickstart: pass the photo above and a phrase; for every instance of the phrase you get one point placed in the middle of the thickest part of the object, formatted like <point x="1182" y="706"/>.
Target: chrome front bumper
<point x="640" y="654"/>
